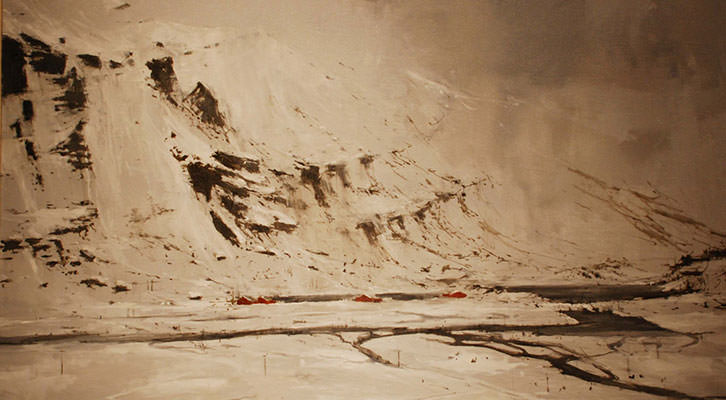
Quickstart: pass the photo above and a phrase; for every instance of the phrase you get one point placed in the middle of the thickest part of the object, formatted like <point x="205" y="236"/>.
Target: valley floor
<point x="488" y="345"/>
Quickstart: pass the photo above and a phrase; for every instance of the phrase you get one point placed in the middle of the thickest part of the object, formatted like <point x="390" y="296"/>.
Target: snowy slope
<point x="219" y="161"/>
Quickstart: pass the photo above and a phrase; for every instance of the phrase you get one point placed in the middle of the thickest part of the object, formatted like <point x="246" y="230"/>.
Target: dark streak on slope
<point x="16" y="244"/>
<point x="11" y="244"/>
<point x="203" y="104"/>
<point x="74" y="97"/>
<point x="36" y="246"/>
<point x="80" y="225"/>
<point x="17" y="128"/>
<point x="339" y="170"/>
<point x="43" y="245"/>
<point x="236" y="163"/>
<point x="234" y="208"/>
<point x="398" y="219"/>
<point x="32" y="241"/>
<point x="177" y="154"/>
<point x="279" y="173"/>
<point x="59" y="250"/>
<point x="162" y="72"/>
<point x="689" y="221"/>
<point x="50" y="63"/>
<point x="370" y="230"/>
<point x="284" y="227"/>
<point x="86" y="255"/>
<point x="204" y="177"/>
<point x="223" y="229"/>
<point x="35" y="43"/>
<point x="366" y="160"/>
<point x="79" y="229"/>
<point x="43" y="58"/>
<point x="91" y="282"/>
<point x="74" y="147"/>
<point x="14" y="80"/>
<point x="90" y="60"/>
<point x="120" y="288"/>
<point x="258" y="228"/>
<point x="420" y="214"/>
<point x="311" y="176"/>
<point x="28" y="112"/>
<point x="643" y="218"/>
<point x="30" y="150"/>
<point x="438" y="220"/>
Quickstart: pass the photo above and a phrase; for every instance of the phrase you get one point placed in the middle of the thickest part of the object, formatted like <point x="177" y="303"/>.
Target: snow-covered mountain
<point x="141" y="152"/>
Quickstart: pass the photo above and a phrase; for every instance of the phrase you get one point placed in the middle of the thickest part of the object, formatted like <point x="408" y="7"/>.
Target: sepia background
<point x="376" y="199"/>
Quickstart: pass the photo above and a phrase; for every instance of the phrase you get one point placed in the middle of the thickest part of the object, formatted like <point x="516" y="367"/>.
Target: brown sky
<point x="633" y="91"/>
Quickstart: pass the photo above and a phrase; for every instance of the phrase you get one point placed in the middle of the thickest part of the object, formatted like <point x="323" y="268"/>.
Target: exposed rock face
<point x="74" y="148"/>
<point x="237" y="163"/>
<point x="205" y="177"/>
<point x="28" y="112"/>
<point x="43" y="58"/>
<point x="90" y="60"/>
<point x="202" y="103"/>
<point x="310" y="175"/>
<point x="199" y="103"/>
<point x="14" y="80"/>
<point x="74" y="97"/>
<point x="162" y="72"/>
<point x="223" y="229"/>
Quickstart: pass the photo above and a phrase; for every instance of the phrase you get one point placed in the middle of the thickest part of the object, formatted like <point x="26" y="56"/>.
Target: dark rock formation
<point x="90" y="60"/>
<point x="74" y="147"/>
<point x="205" y="106"/>
<point x="14" y="80"/>
<point x="162" y="72"/>
<point x="74" y="98"/>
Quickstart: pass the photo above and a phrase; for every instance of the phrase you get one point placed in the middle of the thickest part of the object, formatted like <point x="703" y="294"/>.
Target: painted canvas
<point x="363" y="199"/>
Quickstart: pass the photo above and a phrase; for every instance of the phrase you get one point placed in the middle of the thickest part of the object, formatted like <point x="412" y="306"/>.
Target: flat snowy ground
<point x="495" y="345"/>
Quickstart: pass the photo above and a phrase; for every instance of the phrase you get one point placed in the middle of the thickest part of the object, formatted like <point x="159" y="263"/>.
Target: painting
<point x="363" y="199"/>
